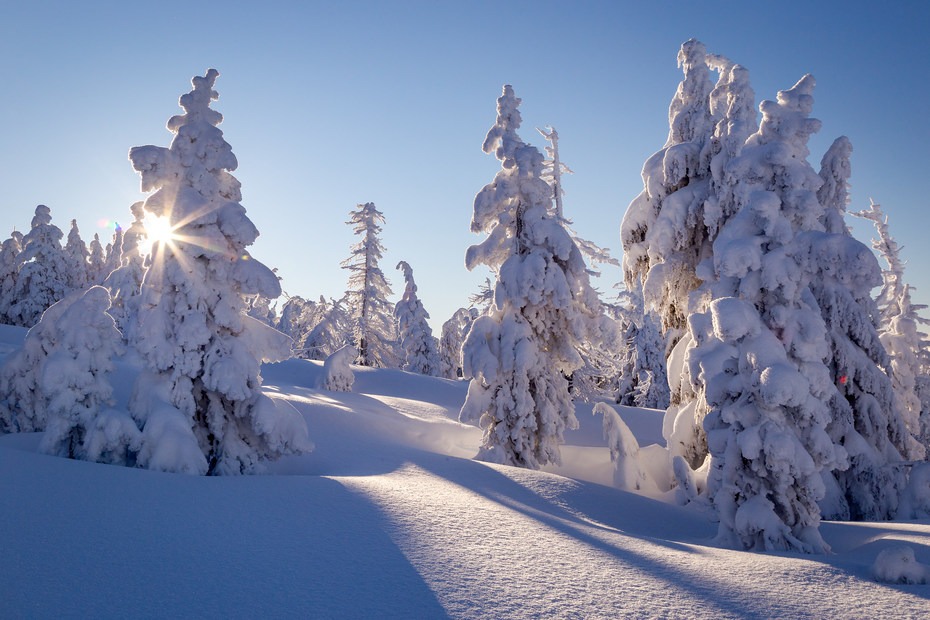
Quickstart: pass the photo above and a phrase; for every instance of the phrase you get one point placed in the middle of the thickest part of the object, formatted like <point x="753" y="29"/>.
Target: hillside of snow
<point x="389" y="517"/>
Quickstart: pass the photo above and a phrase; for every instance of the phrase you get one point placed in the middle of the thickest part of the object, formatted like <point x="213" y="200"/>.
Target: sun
<point x="158" y="230"/>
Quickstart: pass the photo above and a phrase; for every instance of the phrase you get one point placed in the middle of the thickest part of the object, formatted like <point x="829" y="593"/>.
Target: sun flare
<point x="158" y="230"/>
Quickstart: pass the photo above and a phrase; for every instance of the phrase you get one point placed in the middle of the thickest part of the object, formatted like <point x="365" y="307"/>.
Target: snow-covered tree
<point x="125" y="280"/>
<point x="96" y="261"/>
<point x="9" y="273"/>
<point x="900" y="327"/>
<point x="519" y="355"/>
<point x="866" y="419"/>
<point x="453" y="336"/>
<point x="43" y="270"/>
<point x="22" y="405"/>
<point x="77" y="391"/>
<point x="419" y="346"/>
<point x="642" y="379"/>
<point x="760" y="349"/>
<point x="203" y="353"/>
<point x="366" y="300"/>
<point x="331" y="332"/>
<point x="665" y="231"/>
<point x="114" y="252"/>
<point x="77" y="256"/>
<point x="298" y="315"/>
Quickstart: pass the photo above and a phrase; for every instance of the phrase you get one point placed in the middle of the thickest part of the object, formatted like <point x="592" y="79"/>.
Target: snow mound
<point x="898" y="565"/>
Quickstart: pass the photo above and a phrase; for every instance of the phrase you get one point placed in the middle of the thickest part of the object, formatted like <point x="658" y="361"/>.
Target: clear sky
<point x="330" y="104"/>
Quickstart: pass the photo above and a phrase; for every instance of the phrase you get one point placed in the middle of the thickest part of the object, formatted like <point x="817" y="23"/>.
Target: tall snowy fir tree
<point x="77" y="257"/>
<point x="761" y="346"/>
<point x="866" y="417"/>
<point x="203" y="353"/>
<point x="664" y="231"/>
<point x="900" y="327"/>
<point x="520" y="354"/>
<point x="418" y="345"/>
<point x="43" y="270"/>
<point x="9" y="272"/>
<point x="366" y="300"/>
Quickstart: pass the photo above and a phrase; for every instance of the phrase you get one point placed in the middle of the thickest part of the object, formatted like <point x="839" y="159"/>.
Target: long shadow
<point x="89" y="540"/>
<point x="496" y="487"/>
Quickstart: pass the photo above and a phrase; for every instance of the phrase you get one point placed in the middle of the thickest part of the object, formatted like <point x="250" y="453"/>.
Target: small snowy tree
<point x="519" y="356"/>
<point x="9" y="272"/>
<point x="642" y="379"/>
<point x="337" y="375"/>
<point x="630" y="473"/>
<point x="202" y="351"/>
<point x="453" y="336"/>
<point x="417" y="342"/>
<point x="368" y="290"/>
<point x="124" y="281"/>
<point x="114" y="253"/>
<point x="43" y="270"/>
<point x="96" y="263"/>
<point x="77" y="390"/>
<point x="77" y="257"/>
<point x="22" y="405"/>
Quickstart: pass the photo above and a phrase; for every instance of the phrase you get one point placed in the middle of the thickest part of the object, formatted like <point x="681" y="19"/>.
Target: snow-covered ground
<point x="390" y="517"/>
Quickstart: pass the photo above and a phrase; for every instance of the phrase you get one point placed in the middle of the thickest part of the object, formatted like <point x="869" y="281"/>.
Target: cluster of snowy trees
<point x="794" y="395"/>
<point x="791" y="393"/>
<point x="36" y="270"/>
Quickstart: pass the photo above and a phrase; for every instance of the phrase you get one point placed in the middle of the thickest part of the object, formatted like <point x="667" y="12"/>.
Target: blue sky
<point x="332" y="104"/>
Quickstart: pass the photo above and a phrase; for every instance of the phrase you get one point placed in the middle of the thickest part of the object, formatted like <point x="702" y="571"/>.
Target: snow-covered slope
<point x="390" y="517"/>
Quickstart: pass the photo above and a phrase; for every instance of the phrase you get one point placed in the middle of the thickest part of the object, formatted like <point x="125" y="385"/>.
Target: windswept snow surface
<point x="390" y="518"/>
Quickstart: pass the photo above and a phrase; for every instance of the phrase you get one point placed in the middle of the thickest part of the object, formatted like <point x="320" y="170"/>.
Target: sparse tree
<point x="366" y="299"/>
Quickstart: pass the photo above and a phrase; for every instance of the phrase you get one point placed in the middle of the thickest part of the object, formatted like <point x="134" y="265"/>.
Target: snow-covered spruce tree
<point x="760" y="349"/>
<point x="900" y="322"/>
<point x="114" y="253"/>
<point x="22" y="405"/>
<point x="9" y="272"/>
<point x="453" y="336"/>
<point x="669" y="229"/>
<point x="43" y="270"/>
<point x="77" y="256"/>
<point x="866" y="417"/>
<point x="76" y="389"/>
<point x="420" y="348"/>
<point x="96" y="263"/>
<point x="331" y="332"/>
<point x="125" y="280"/>
<point x="519" y="355"/>
<point x="664" y="231"/>
<point x="203" y="353"/>
<point x="366" y="300"/>
<point x="642" y="381"/>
